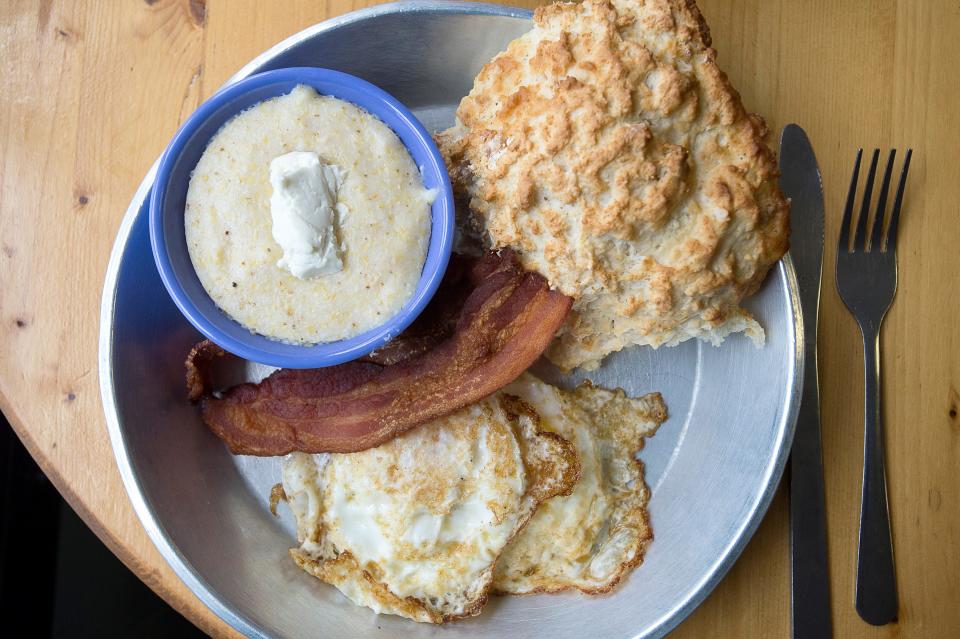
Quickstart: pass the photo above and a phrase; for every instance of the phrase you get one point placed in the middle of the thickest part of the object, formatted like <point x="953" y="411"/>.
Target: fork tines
<point x="876" y="234"/>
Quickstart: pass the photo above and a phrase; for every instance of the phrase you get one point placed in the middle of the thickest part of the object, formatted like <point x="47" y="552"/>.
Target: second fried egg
<point x="591" y="538"/>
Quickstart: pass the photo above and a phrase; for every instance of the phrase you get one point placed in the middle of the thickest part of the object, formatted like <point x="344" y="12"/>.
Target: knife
<point x="800" y="181"/>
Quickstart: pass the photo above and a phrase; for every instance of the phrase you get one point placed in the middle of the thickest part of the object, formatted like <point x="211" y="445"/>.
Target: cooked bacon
<point x="200" y="368"/>
<point x="503" y="326"/>
<point x="437" y="321"/>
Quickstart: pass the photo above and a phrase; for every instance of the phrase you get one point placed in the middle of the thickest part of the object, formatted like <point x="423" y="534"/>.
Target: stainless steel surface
<point x="867" y="282"/>
<point x="713" y="467"/>
<point x="810" y="577"/>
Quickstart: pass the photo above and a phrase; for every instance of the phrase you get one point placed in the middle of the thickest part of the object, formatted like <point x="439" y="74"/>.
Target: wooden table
<point x="91" y="92"/>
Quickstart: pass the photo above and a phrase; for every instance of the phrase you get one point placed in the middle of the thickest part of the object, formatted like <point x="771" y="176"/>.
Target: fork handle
<point x="876" y="598"/>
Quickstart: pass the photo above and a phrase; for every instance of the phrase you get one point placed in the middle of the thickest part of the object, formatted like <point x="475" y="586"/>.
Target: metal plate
<point x="713" y="466"/>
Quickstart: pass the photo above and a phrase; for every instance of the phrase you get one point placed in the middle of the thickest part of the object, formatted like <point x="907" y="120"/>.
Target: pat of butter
<point x="303" y="205"/>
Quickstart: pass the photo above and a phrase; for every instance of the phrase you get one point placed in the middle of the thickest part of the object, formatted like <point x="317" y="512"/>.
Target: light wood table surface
<point x="90" y="93"/>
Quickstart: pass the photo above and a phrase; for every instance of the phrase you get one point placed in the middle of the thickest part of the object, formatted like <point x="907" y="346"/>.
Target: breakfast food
<point x="589" y="539"/>
<point x="533" y="489"/>
<point x="610" y="152"/>
<point x="438" y="321"/>
<point x="414" y="527"/>
<point x="504" y="324"/>
<point x="622" y="196"/>
<point x="307" y="220"/>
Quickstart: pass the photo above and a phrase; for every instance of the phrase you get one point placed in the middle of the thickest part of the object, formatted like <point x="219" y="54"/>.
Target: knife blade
<point x="810" y="580"/>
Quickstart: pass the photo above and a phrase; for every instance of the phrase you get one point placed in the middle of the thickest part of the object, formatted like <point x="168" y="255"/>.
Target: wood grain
<point x="90" y="93"/>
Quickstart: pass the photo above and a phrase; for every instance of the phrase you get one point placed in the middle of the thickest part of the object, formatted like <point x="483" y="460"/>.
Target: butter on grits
<point x="324" y="266"/>
<point x="302" y="206"/>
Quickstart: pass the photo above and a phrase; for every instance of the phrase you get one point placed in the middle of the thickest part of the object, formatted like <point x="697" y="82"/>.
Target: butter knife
<point x="800" y="181"/>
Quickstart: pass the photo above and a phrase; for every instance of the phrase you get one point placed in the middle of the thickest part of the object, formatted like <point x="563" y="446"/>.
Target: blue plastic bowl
<point x="168" y="198"/>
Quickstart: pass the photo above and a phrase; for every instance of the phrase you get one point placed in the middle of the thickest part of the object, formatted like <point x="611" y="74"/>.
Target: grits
<point x="382" y="223"/>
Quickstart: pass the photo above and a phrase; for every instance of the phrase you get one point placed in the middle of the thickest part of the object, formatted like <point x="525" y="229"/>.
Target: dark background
<point x="56" y="578"/>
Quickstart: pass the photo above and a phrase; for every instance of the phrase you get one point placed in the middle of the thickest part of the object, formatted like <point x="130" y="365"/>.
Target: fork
<point x="867" y="282"/>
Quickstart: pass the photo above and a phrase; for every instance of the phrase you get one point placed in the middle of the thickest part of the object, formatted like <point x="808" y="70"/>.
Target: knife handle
<point x="808" y="528"/>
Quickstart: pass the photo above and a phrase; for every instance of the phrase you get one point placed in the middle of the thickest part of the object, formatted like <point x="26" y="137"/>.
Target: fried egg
<point x="414" y="527"/>
<point x="591" y="538"/>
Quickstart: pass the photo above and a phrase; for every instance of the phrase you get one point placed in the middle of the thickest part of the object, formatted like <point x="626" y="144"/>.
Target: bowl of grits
<point x="301" y="218"/>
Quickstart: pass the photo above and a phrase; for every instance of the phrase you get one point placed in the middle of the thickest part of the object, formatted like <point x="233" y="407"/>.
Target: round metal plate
<point x="713" y="466"/>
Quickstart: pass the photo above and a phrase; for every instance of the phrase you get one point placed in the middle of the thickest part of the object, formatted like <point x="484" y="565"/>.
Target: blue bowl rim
<point x="326" y="82"/>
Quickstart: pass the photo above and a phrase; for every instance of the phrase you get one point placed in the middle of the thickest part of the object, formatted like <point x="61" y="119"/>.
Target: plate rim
<point x="698" y="592"/>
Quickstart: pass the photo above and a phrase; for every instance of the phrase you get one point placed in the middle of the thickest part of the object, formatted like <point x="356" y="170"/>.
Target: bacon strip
<point x="505" y="323"/>
<point x="200" y="368"/>
<point x="438" y="320"/>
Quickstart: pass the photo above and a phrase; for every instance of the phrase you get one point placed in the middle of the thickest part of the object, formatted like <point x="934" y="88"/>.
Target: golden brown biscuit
<point x="611" y="152"/>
